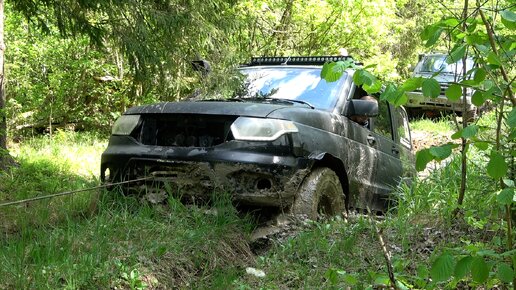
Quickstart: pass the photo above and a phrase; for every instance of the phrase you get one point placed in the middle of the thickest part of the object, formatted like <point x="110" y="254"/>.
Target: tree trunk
<point x="3" y="122"/>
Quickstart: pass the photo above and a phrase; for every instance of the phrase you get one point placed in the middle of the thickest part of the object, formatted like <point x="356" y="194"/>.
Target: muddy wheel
<point x="471" y="115"/>
<point x="320" y="194"/>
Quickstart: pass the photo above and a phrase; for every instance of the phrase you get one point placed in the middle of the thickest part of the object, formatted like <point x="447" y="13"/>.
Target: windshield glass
<point x="437" y="63"/>
<point x="292" y="83"/>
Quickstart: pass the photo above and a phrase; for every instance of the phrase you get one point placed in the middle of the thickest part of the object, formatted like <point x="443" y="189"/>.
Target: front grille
<point x="183" y="130"/>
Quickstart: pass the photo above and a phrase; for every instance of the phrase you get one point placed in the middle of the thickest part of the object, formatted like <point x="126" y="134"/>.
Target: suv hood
<point x="250" y="109"/>
<point x="441" y="78"/>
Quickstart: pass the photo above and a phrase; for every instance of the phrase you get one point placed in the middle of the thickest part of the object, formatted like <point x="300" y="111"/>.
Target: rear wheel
<point x="320" y="194"/>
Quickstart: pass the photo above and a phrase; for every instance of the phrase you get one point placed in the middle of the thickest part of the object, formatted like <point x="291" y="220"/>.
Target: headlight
<point x="125" y="124"/>
<point x="257" y="129"/>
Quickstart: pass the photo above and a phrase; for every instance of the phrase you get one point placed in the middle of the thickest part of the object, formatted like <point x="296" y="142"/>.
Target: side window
<point x="402" y="128"/>
<point x="382" y="123"/>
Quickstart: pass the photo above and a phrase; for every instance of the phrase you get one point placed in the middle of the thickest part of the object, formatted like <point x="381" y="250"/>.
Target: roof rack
<point x="298" y="60"/>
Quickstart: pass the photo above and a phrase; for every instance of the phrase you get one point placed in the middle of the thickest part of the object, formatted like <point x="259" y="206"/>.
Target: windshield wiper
<point x="291" y="100"/>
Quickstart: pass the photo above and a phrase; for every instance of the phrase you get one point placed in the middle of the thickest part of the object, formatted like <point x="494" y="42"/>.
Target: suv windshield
<point x="437" y="63"/>
<point x="291" y="83"/>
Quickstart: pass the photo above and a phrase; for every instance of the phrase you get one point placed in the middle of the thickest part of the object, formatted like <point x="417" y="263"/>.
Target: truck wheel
<point x="320" y="194"/>
<point x="470" y="115"/>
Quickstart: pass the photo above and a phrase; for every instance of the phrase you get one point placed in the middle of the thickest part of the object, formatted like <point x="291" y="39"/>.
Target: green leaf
<point x="431" y="34"/>
<point x="508" y="15"/>
<point x="332" y="276"/>
<point x="492" y="58"/>
<point x="481" y="145"/>
<point x="441" y="152"/>
<point x="423" y="157"/>
<point x="442" y="268"/>
<point x="350" y="279"/>
<point x="478" y="98"/>
<point x="508" y="19"/>
<point x="373" y="88"/>
<point x="422" y="272"/>
<point x="508" y="24"/>
<point x="505" y="273"/>
<point x="496" y="167"/>
<point x="463" y="267"/>
<point x="456" y="54"/>
<point x="506" y="196"/>
<point x="474" y="39"/>
<point x="509" y="182"/>
<point x="362" y="76"/>
<point x="511" y="118"/>
<point x="431" y="88"/>
<point x="479" y="270"/>
<point x="451" y="22"/>
<point x="453" y="92"/>
<point x="488" y="84"/>
<point x="480" y="75"/>
<point x="469" y="131"/>
<point x="412" y="84"/>
<point x="329" y="74"/>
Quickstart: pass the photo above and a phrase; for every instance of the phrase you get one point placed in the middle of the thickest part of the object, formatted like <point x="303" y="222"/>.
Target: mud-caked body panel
<point x="193" y="149"/>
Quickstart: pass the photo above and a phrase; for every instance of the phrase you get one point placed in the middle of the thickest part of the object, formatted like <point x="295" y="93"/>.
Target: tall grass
<point x="101" y="240"/>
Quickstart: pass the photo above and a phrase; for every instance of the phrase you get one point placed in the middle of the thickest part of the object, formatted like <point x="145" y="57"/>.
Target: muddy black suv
<point x="288" y="139"/>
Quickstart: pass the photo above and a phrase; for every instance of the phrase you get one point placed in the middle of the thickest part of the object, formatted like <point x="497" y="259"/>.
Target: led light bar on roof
<point x="297" y="60"/>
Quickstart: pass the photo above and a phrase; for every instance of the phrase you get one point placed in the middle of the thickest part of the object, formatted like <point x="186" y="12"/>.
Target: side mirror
<point x="361" y="108"/>
<point x="202" y="66"/>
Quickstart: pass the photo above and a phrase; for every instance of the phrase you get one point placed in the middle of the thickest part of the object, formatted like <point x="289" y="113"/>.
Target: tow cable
<point x="72" y="192"/>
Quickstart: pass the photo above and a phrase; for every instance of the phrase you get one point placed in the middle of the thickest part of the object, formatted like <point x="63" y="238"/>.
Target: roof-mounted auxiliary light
<point x="298" y="60"/>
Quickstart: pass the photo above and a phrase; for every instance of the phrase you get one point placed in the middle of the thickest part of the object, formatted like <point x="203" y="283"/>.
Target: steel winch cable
<point x="16" y="202"/>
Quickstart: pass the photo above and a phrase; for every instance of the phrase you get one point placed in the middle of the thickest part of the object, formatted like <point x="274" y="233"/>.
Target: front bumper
<point x="257" y="173"/>
<point x="417" y="100"/>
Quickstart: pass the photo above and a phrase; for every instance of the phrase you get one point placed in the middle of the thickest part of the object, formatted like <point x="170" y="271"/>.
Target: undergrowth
<point x="99" y="240"/>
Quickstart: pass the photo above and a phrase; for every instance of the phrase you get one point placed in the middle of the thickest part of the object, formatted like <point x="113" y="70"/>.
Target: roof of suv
<point x="298" y="60"/>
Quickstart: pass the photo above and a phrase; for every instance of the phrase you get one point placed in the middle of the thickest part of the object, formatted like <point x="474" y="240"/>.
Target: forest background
<point x="78" y="65"/>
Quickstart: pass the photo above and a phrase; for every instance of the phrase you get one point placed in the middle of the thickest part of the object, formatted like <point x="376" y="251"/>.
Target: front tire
<point x="320" y="194"/>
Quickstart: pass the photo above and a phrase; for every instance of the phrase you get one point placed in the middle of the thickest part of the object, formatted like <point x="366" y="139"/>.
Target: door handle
<point x="395" y="150"/>
<point x="371" y="140"/>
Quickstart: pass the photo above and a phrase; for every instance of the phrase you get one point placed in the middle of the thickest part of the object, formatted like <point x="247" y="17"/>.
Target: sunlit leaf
<point x="479" y="270"/>
<point x="431" y="88"/>
<point x="451" y="22"/>
<point x="442" y="268"/>
<point x="453" y="92"/>
<point x="362" y="76"/>
<point x="496" y="167"/>
<point x="505" y="196"/>
<point x="329" y="74"/>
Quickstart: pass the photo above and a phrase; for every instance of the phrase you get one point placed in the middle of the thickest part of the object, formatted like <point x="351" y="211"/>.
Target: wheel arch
<point x="335" y="164"/>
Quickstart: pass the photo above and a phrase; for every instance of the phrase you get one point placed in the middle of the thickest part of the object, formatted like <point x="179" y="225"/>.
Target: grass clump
<point x="442" y="125"/>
